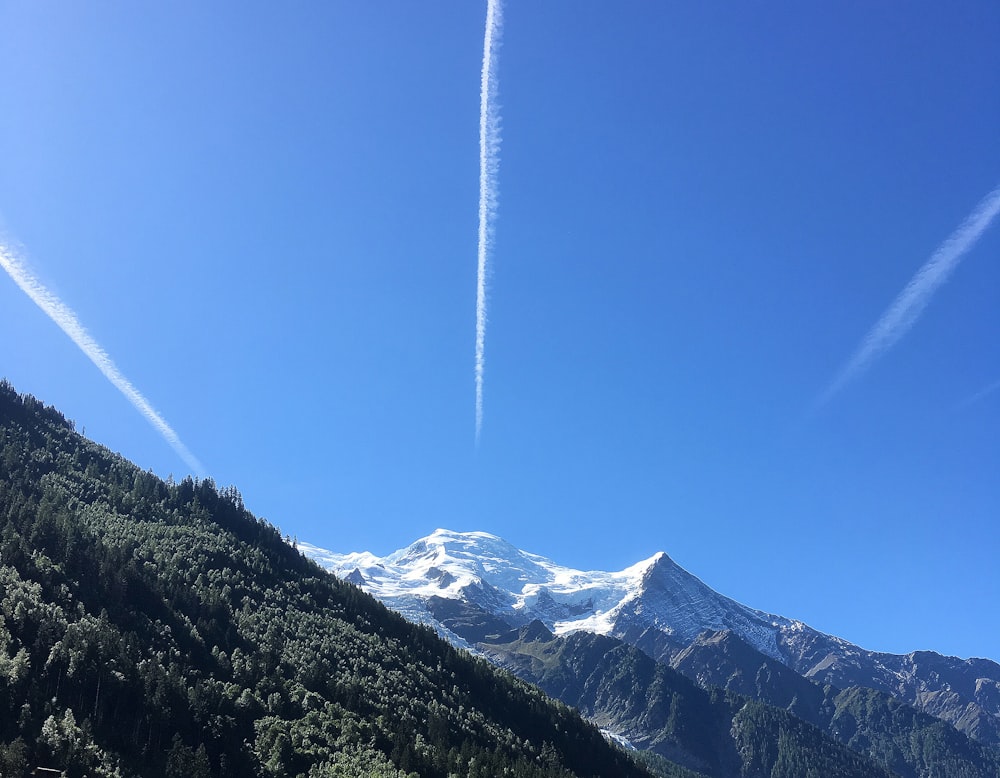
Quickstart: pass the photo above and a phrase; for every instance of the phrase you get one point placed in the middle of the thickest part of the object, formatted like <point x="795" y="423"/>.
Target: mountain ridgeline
<point x="159" y="629"/>
<point x="657" y="657"/>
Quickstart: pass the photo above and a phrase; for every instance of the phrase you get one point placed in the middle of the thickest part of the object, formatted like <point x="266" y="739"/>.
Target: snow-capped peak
<point x="472" y="565"/>
<point x="517" y="586"/>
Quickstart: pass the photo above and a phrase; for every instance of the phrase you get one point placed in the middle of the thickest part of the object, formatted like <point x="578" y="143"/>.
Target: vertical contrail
<point x="61" y="314"/>
<point x="907" y="307"/>
<point x="489" y="163"/>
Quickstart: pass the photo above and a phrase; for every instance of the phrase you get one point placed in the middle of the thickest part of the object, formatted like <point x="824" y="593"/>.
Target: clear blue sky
<point x="266" y="214"/>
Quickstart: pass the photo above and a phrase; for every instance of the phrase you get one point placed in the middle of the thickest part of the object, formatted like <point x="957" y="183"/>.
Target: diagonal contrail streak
<point x="982" y="394"/>
<point x="489" y="164"/>
<point x="907" y="307"/>
<point x="61" y="314"/>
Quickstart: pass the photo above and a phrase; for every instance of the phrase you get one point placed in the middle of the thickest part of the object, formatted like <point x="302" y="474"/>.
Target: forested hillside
<point x="160" y="629"/>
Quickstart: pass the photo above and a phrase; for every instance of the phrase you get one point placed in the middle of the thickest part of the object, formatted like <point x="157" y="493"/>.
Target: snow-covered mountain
<point x="519" y="587"/>
<point x="473" y="586"/>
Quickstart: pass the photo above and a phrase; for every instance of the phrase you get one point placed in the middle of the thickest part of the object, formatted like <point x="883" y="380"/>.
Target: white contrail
<point x="907" y="307"/>
<point x="61" y="314"/>
<point x="489" y="164"/>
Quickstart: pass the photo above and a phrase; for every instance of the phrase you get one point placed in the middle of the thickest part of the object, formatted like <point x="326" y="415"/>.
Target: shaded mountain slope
<point x="722" y="659"/>
<point x="963" y="692"/>
<point x="623" y="689"/>
<point x="908" y="741"/>
<point x="715" y="733"/>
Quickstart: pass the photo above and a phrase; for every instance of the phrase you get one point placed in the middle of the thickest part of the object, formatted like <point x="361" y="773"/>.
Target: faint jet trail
<point x="60" y="313"/>
<point x="907" y="307"/>
<point x="489" y="164"/>
<point x="982" y="394"/>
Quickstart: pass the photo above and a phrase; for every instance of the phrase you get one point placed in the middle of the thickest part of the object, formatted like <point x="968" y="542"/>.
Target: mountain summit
<point x="486" y="571"/>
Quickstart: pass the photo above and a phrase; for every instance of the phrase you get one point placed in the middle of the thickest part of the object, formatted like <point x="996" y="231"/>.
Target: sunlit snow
<point x="484" y="570"/>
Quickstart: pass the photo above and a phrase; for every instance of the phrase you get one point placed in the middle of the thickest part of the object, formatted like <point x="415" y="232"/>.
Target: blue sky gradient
<point x="267" y="217"/>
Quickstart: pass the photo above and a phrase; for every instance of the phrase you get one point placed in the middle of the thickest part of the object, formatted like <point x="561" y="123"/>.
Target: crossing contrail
<point x="907" y="307"/>
<point x="489" y="164"/>
<point x="61" y="314"/>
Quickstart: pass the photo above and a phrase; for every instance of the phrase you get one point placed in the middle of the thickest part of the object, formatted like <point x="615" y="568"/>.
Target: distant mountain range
<point x="557" y="627"/>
